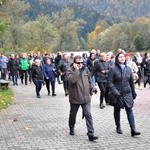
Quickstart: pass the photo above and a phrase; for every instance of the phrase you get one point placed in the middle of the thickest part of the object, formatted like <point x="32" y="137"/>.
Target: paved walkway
<point x="42" y="124"/>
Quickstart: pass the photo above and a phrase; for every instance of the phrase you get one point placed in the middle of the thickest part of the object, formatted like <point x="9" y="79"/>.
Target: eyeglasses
<point x="79" y="63"/>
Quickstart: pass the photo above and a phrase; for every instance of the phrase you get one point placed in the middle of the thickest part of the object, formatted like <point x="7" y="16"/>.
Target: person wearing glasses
<point x="80" y="91"/>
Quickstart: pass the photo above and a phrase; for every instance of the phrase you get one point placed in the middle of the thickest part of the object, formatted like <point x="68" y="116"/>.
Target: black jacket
<point x="63" y="67"/>
<point x="13" y="66"/>
<point x="122" y="82"/>
<point x="146" y="66"/>
<point x="37" y="73"/>
<point x="100" y="66"/>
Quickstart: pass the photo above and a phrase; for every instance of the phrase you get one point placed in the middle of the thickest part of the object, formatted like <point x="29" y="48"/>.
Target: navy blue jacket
<point x="49" y="71"/>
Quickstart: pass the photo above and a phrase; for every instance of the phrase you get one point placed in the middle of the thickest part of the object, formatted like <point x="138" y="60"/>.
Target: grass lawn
<point x="6" y="97"/>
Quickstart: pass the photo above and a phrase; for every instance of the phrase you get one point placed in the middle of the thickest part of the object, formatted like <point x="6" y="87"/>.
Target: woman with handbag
<point x="120" y="82"/>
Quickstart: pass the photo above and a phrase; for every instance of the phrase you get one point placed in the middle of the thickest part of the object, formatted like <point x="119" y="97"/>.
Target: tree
<point x="67" y="27"/>
<point x="138" y="42"/>
<point x="15" y="10"/>
<point x="93" y="38"/>
<point x="39" y="34"/>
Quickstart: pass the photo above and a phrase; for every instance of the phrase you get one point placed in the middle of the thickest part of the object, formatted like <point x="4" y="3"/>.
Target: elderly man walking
<point x="79" y="95"/>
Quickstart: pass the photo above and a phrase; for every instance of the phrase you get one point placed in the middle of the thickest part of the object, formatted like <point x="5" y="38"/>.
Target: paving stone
<point x="42" y="124"/>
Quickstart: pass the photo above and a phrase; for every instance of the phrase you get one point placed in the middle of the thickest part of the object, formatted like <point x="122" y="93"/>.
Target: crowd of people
<point x="81" y="76"/>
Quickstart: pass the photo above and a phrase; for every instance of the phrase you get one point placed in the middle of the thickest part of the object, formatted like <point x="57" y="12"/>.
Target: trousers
<point x="130" y="116"/>
<point x="86" y="108"/>
<point x="38" y="86"/>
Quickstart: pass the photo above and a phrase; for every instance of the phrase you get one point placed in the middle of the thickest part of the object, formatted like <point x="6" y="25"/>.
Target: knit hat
<point x="127" y="55"/>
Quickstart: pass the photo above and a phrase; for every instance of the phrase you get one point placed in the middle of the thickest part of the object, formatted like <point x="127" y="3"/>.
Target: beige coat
<point x="79" y="86"/>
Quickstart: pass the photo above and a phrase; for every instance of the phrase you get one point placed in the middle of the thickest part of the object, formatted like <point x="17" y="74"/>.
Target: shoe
<point x="95" y="91"/>
<point x="102" y="106"/>
<point x="134" y="133"/>
<point x="119" y="131"/>
<point x="144" y="85"/>
<point x="53" y="94"/>
<point x="72" y="131"/>
<point x="48" y="93"/>
<point x="60" y="82"/>
<point x="38" y="96"/>
<point x="66" y="92"/>
<point x="93" y="138"/>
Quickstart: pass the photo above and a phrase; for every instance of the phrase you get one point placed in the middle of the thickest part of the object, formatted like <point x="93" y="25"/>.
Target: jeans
<point x="14" y="79"/>
<point x="65" y="85"/>
<point x="48" y="85"/>
<point x="130" y="117"/>
<point x="3" y="73"/>
<point x="93" y="81"/>
<point x="86" y="113"/>
<point x="102" y="86"/>
<point x="38" y="86"/>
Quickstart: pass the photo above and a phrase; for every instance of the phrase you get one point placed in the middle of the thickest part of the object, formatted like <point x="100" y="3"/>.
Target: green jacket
<point x="23" y="64"/>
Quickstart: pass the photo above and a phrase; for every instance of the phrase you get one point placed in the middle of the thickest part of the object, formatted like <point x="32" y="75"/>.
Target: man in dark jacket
<point x="79" y="94"/>
<point x="63" y="65"/>
<point x="57" y="60"/>
<point x="120" y="82"/>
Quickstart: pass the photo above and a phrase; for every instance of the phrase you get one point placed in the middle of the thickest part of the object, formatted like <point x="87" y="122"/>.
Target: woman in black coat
<point x="90" y="65"/>
<point x="146" y="66"/>
<point x="101" y="68"/>
<point x="37" y="76"/>
<point x="120" y="82"/>
<point x="13" y="69"/>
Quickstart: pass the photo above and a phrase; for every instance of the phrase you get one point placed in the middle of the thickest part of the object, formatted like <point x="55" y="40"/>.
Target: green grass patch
<point x="6" y="97"/>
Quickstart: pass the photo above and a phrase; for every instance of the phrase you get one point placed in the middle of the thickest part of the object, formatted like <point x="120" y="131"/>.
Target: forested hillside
<point x="90" y="15"/>
<point x="113" y="9"/>
<point x="68" y="25"/>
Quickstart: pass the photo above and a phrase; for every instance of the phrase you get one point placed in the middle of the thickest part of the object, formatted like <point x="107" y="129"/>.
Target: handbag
<point x="135" y="76"/>
<point x="112" y="100"/>
<point x="115" y="100"/>
<point x="120" y="102"/>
